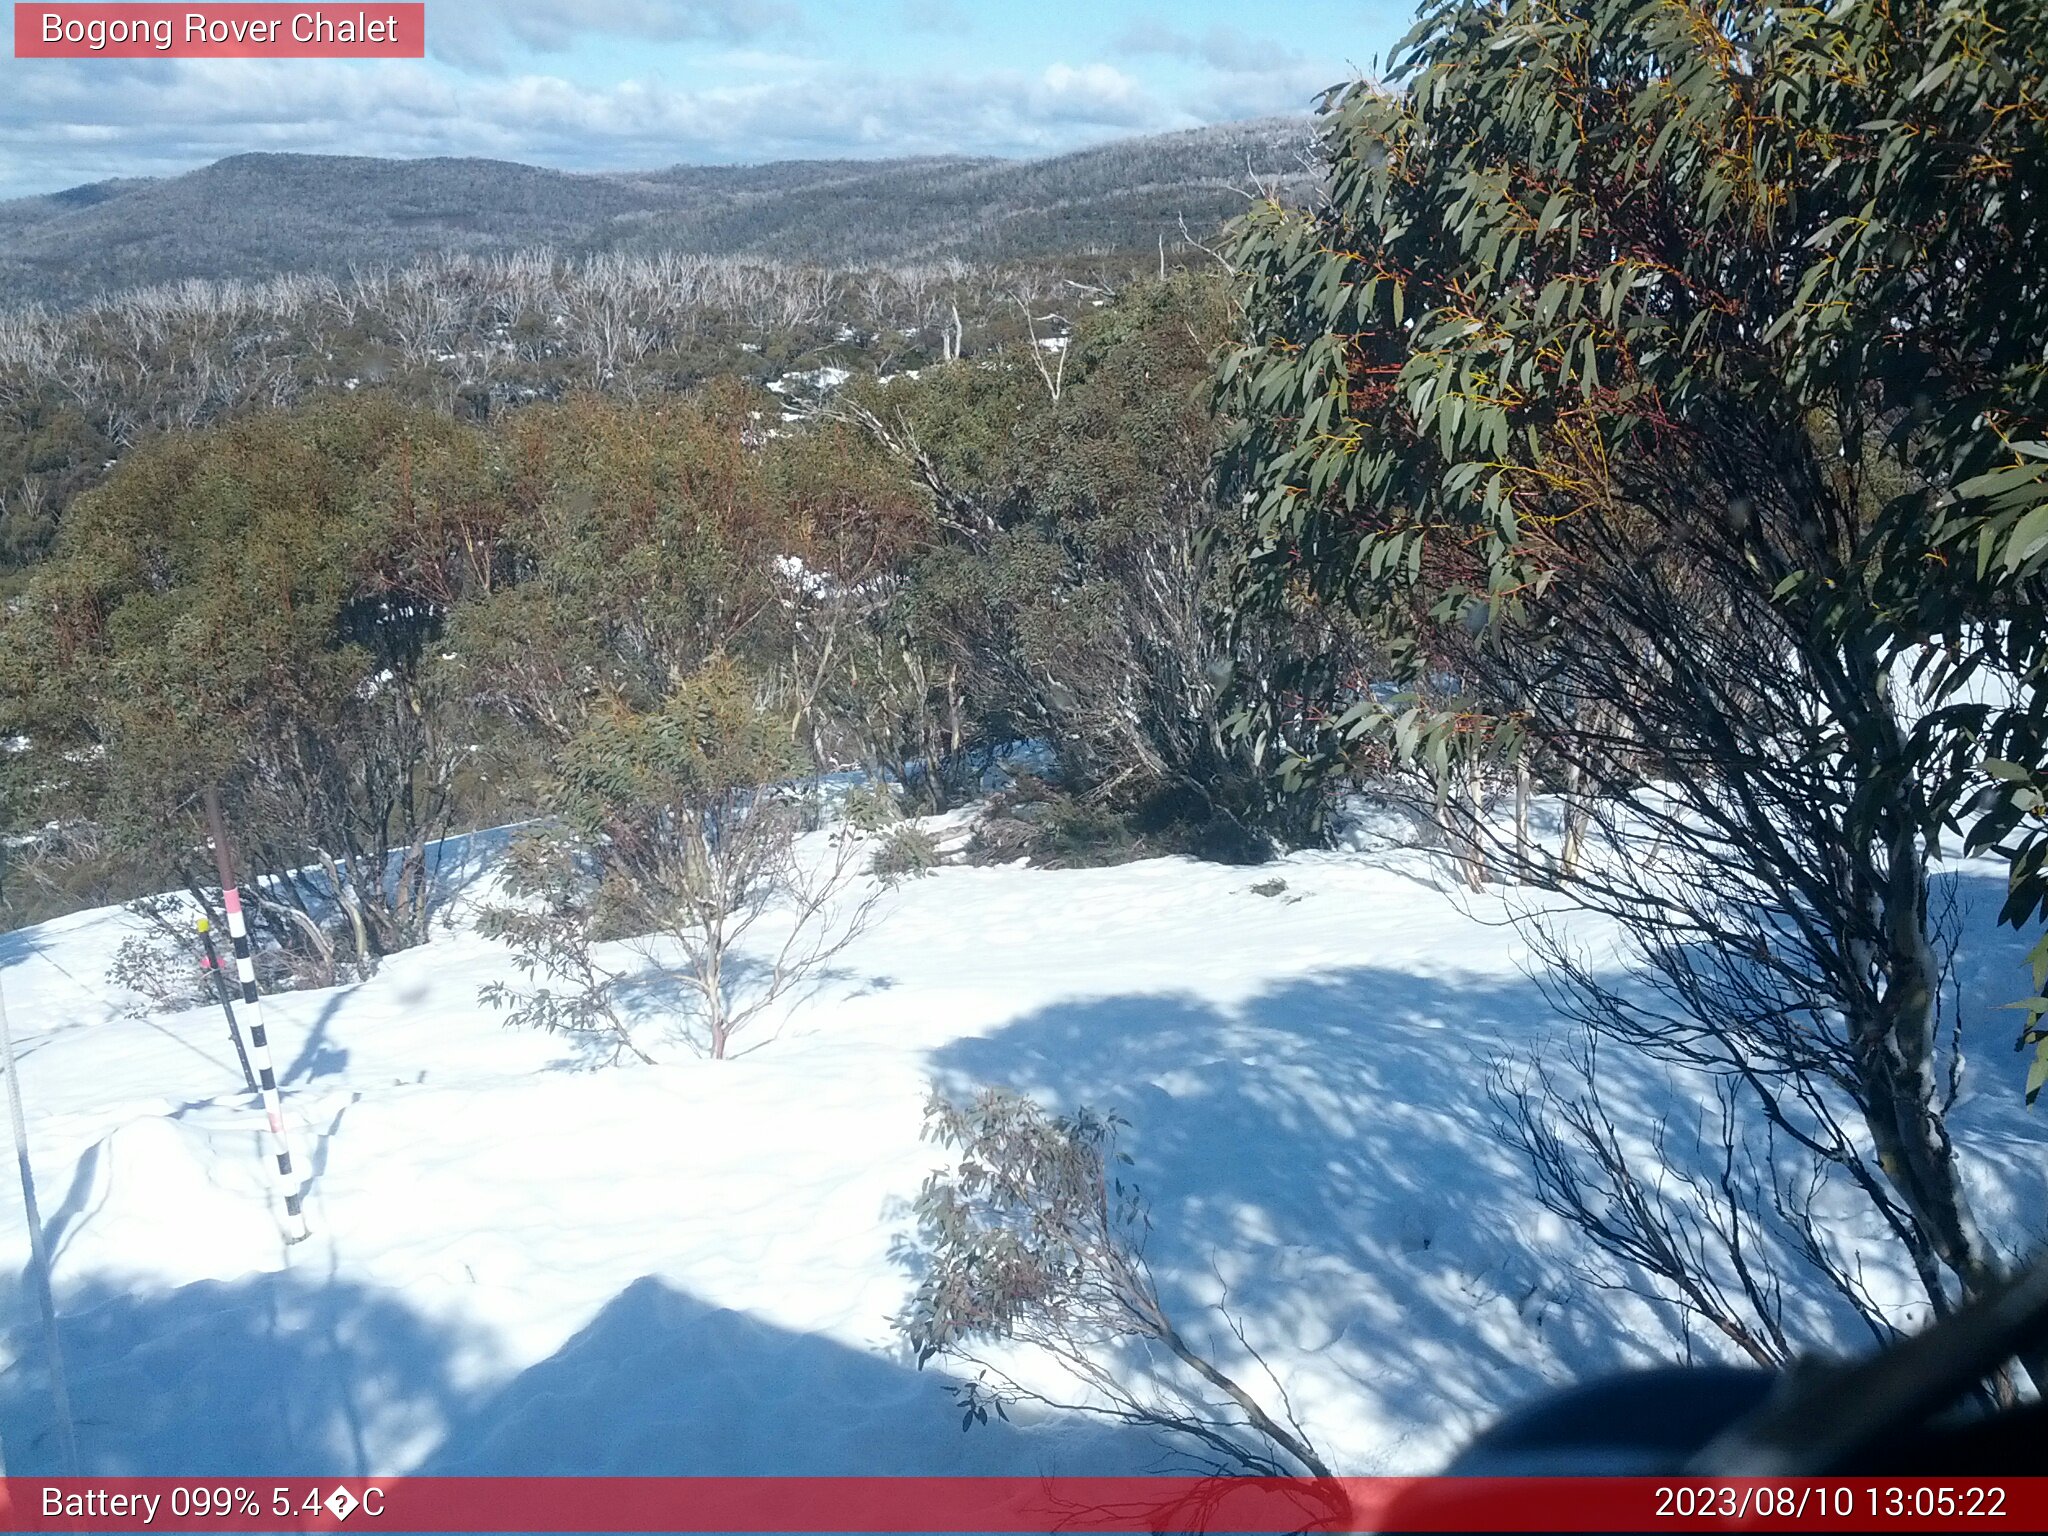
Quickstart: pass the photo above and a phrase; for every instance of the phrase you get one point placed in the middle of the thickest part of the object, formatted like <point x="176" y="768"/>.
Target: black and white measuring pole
<point x="295" y="1229"/>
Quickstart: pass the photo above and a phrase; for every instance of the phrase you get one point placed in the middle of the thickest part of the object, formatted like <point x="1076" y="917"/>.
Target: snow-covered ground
<point x="523" y="1263"/>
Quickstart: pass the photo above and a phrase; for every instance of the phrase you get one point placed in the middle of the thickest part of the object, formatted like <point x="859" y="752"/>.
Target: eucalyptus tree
<point x="1664" y="383"/>
<point x="257" y="607"/>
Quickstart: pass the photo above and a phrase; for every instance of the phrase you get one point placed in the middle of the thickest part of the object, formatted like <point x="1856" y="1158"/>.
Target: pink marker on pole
<point x="259" y="1038"/>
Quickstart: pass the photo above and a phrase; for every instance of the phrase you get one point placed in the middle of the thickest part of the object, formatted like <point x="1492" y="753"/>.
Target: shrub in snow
<point x="1033" y="1237"/>
<point x="552" y="929"/>
<point x="1079" y="832"/>
<point x="906" y="852"/>
<point x="164" y="964"/>
<point x="870" y="807"/>
<point x="160" y="965"/>
<point x="1053" y="829"/>
<point x="679" y="830"/>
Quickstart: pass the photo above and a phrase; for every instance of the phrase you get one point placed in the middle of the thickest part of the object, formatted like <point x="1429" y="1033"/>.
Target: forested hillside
<point x="261" y="215"/>
<point x="474" y="336"/>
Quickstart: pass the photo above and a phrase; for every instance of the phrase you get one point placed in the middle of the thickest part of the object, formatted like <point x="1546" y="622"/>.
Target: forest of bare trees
<point x="472" y="335"/>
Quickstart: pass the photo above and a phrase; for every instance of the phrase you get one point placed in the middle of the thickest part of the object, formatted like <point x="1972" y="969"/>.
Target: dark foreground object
<point x="1918" y="1409"/>
<point x="1656" y="1422"/>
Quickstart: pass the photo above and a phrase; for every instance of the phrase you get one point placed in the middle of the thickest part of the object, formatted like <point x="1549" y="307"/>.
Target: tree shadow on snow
<point x="316" y="1057"/>
<point x="271" y="1373"/>
<point x="20" y="947"/>
<point x="287" y="1374"/>
<point x="1324" y="1161"/>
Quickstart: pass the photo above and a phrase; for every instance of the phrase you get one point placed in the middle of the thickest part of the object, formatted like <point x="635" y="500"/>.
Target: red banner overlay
<point x="1018" y="1504"/>
<point x="115" y="31"/>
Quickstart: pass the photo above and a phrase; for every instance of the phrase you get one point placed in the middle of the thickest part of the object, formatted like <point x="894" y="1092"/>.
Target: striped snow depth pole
<point x="266" y="1078"/>
<point x="259" y="1039"/>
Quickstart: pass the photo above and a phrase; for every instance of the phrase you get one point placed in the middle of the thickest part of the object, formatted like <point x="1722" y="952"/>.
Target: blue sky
<point x="615" y="84"/>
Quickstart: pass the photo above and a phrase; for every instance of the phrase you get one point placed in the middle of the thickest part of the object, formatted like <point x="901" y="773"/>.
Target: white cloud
<point x="73" y="121"/>
<point x="750" y="84"/>
<point x="486" y="34"/>
<point x="1095" y="88"/>
<point x="1245" y="76"/>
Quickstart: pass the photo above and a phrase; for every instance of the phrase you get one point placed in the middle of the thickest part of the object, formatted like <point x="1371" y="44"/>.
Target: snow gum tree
<point x="1035" y="1236"/>
<point x="1068" y="592"/>
<point x="680" y="832"/>
<point x="645" y="644"/>
<point x="257" y="607"/>
<point x="640" y="542"/>
<point x="1669" y="376"/>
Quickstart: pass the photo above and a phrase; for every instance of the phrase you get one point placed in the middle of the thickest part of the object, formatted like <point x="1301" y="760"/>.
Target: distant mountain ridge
<point x="256" y="215"/>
